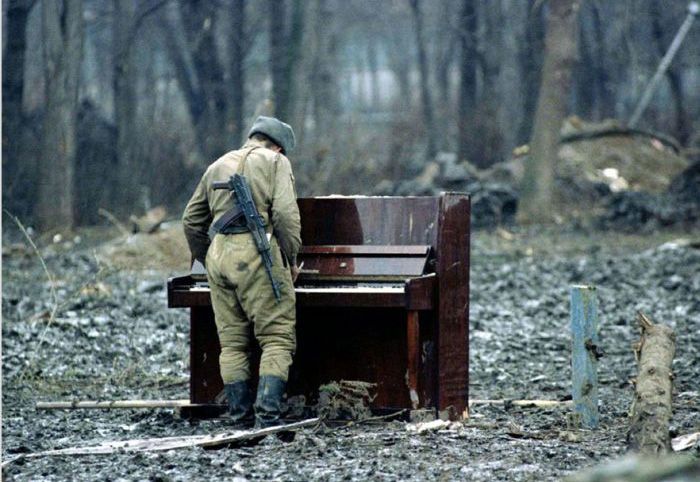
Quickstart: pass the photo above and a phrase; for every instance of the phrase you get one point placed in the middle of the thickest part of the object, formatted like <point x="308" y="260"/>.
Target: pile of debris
<point x="679" y="205"/>
<point x="494" y="202"/>
<point x="621" y="177"/>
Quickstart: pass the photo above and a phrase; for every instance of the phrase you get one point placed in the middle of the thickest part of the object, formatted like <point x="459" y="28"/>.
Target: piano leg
<point x="413" y="339"/>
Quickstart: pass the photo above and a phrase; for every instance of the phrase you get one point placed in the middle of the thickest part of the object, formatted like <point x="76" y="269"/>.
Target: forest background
<point x="121" y="104"/>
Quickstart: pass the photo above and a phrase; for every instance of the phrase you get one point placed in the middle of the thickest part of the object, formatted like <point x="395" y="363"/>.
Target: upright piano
<point x="383" y="297"/>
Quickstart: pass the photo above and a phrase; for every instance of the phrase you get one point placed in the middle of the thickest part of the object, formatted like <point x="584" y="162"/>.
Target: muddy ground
<point x="112" y="337"/>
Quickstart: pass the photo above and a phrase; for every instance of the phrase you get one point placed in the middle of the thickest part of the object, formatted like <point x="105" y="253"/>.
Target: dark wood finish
<point x="412" y="342"/>
<point x="205" y="380"/>
<point x="453" y="308"/>
<point x="413" y="348"/>
<point x="421" y="292"/>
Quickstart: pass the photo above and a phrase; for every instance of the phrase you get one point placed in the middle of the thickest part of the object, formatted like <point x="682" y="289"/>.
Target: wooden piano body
<point x="383" y="297"/>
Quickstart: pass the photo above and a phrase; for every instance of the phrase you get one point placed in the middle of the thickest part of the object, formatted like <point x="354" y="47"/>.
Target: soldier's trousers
<point x="244" y="303"/>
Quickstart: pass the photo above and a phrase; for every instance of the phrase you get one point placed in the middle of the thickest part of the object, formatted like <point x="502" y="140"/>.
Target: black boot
<point x="268" y="405"/>
<point x="240" y="404"/>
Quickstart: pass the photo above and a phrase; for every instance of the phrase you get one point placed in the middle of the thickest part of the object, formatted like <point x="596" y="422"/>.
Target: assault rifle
<point x="240" y="192"/>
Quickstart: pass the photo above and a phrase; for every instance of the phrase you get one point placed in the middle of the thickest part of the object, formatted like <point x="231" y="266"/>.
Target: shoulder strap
<point x="241" y="166"/>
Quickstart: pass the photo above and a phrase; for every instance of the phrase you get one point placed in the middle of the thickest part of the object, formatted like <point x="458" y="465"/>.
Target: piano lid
<point x="361" y="262"/>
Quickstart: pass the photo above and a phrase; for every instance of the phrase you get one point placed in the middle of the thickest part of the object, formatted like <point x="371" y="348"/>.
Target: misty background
<point x="121" y="104"/>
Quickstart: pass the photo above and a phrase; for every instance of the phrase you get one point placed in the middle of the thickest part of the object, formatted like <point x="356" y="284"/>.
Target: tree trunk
<point x="323" y="81"/>
<point x="537" y="188"/>
<point x="651" y="409"/>
<point x="673" y="75"/>
<point x="531" y="57"/>
<point x="62" y="27"/>
<point x="584" y="79"/>
<point x="199" y="20"/>
<point x="604" y="86"/>
<point x="124" y="90"/>
<point x="238" y="55"/>
<point x="278" y="58"/>
<point x="426" y="101"/>
<point x="13" y="89"/>
<point x="467" y="81"/>
<point x="285" y="52"/>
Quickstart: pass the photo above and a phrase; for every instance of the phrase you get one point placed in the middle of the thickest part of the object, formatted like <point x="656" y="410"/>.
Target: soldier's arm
<point x="285" y="212"/>
<point x="196" y="220"/>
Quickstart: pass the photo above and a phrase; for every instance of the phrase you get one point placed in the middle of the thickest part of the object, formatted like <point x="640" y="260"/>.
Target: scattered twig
<point x="377" y="418"/>
<point x="523" y="403"/>
<point x="52" y="283"/>
<point x="113" y="219"/>
<point x="52" y="286"/>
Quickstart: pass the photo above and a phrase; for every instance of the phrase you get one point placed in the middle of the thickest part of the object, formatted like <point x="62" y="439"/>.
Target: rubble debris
<point x="345" y="400"/>
<point x="432" y="426"/>
<point x="684" y="442"/>
<point x="149" y="222"/>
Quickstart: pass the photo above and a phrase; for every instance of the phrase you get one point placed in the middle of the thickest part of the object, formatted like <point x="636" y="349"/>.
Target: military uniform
<point x="241" y="292"/>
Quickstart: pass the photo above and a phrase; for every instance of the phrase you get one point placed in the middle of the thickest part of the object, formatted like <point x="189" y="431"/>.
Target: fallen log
<point x="651" y="408"/>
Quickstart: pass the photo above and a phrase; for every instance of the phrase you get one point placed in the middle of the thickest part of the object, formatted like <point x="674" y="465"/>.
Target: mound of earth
<point x="165" y="249"/>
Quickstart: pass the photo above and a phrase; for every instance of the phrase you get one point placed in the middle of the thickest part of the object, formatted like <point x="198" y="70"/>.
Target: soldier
<point x="241" y="293"/>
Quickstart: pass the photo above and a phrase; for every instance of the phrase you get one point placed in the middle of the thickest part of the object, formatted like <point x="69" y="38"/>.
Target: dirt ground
<point x="99" y="331"/>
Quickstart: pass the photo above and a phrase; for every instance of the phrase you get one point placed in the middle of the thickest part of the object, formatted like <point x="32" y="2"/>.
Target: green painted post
<point x="584" y="353"/>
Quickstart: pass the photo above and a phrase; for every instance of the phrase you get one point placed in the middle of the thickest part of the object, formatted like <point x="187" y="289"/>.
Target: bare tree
<point x="128" y="17"/>
<point x="536" y="201"/>
<point x="323" y="81"/>
<point x="467" y="81"/>
<point x="238" y="42"/>
<point x="62" y="26"/>
<point x="531" y="57"/>
<point x="673" y="74"/>
<point x="426" y="101"/>
<point x="189" y="35"/>
<point x="285" y="53"/>
<point x="13" y="85"/>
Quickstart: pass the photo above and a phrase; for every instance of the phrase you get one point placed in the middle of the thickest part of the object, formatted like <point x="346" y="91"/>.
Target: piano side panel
<point x="453" y="304"/>
<point x="369" y="220"/>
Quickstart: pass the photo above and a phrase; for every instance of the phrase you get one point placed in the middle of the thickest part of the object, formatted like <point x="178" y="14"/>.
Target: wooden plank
<point x="171" y="443"/>
<point x="584" y="353"/>
<point x="91" y="404"/>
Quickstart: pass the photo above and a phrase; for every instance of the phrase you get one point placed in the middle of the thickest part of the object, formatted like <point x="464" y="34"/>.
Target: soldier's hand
<point x="295" y="272"/>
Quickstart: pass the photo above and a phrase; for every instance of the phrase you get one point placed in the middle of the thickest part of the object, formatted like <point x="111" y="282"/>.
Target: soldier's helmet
<point x="279" y="132"/>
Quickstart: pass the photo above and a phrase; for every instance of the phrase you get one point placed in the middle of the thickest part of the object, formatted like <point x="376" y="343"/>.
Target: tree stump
<point x="651" y="408"/>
